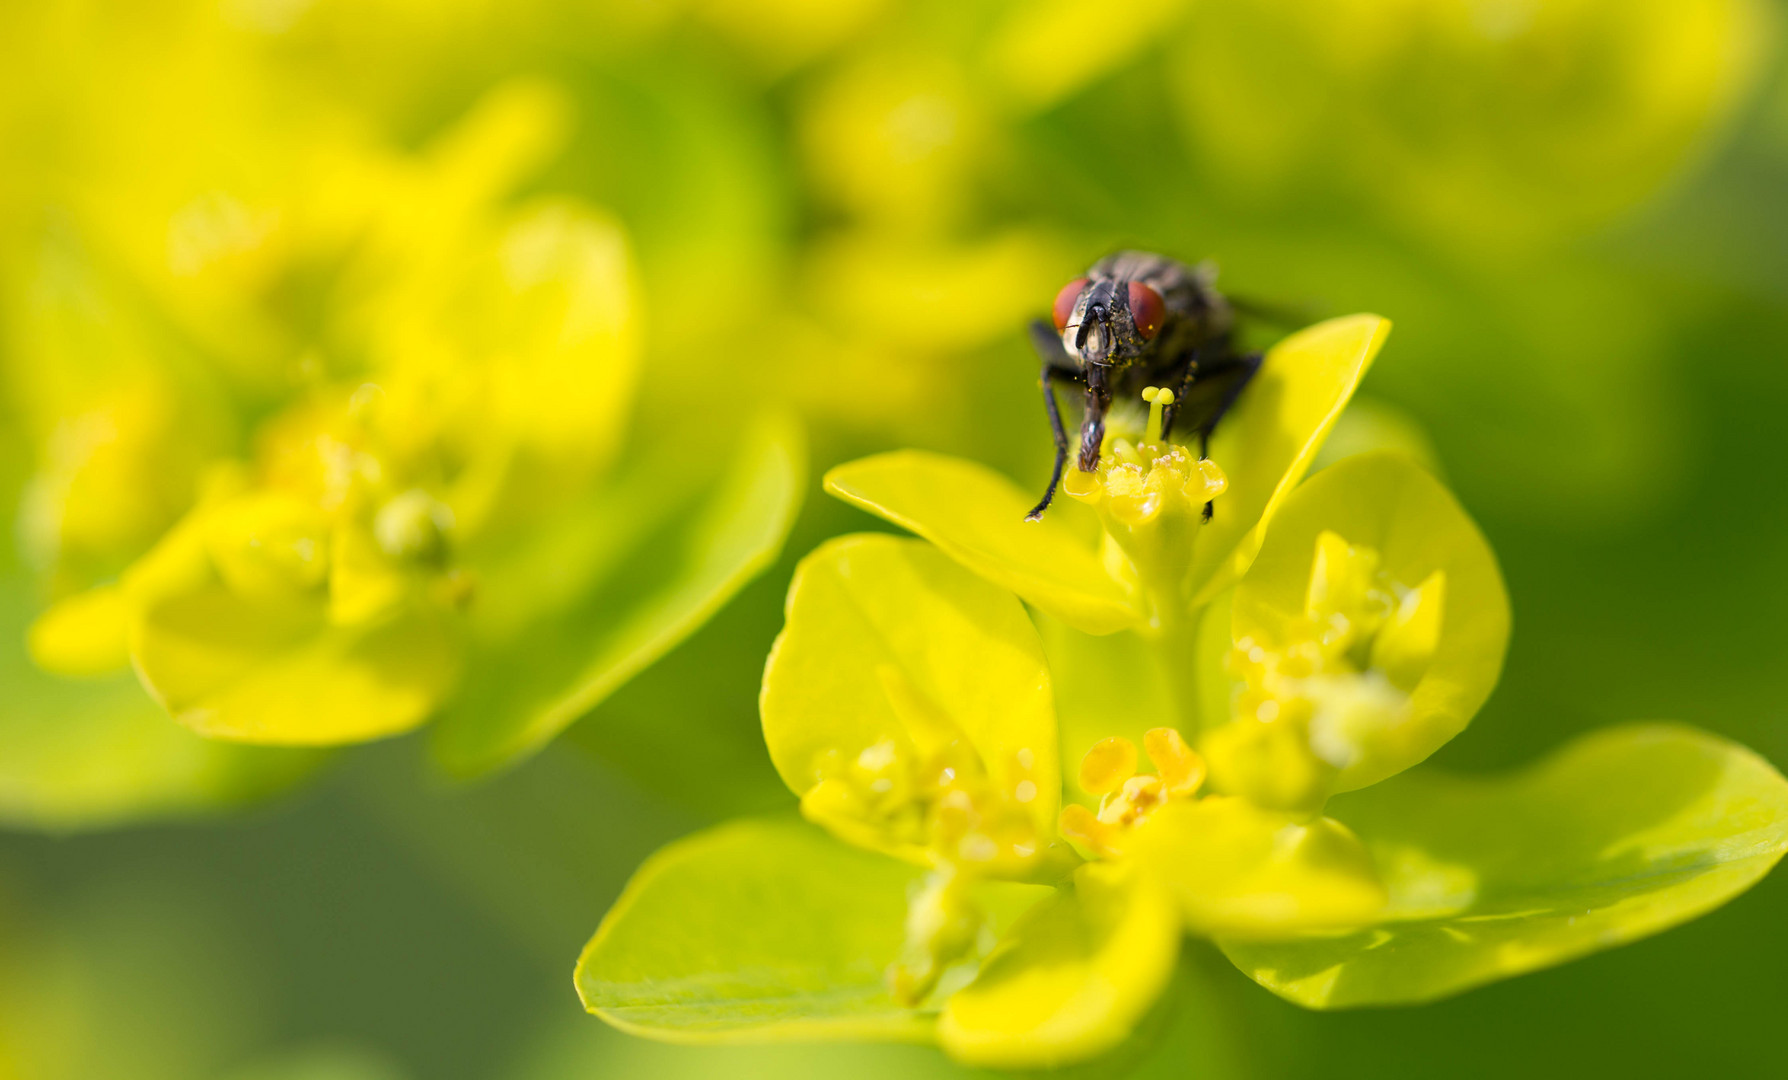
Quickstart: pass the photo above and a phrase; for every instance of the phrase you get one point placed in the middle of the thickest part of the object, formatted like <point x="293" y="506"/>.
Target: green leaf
<point x="97" y="752"/>
<point x="1267" y="442"/>
<point x="1621" y="834"/>
<point x="1242" y="871"/>
<point x="631" y="594"/>
<point x="1071" y="980"/>
<point x="755" y="931"/>
<point x="889" y="642"/>
<point x="976" y="516"/>
<point x="1384" y="501"/>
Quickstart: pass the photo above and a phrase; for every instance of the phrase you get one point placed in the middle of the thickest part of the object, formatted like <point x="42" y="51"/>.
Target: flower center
<point x="1127" y="797"/>
<point x="1151" y="497"/>
<point x="1136" y="484"/>
<point x="937" y="805"/>
<point x="336" y="511"/>
<point x="940" y="807"/>
<point x="1341" y="677"/>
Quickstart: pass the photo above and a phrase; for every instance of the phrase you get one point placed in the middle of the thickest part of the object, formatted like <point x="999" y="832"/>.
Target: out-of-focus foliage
<point x="1503" y="123"/>
<point x="322" y="435"/>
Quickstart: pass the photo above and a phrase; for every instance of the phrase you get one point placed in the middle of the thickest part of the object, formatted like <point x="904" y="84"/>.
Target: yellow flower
<point x="1064" y="565"/>
<point x="427" y="510"/>
<point x="916" y="711"/>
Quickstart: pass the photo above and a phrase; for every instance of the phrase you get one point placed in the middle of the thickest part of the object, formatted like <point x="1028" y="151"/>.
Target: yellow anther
<point x="1082" y="485"/>
<point x="1204" y="481"/>
<point x="1158" y="397"/>
<point x="1140" y="795"/>
<point x="1344" y="599"/>
<point x="1407" y="642"/>
<point x="1107" y="765"/>
<point x="1180" y="767"/>
<point x="1081" y="827"/>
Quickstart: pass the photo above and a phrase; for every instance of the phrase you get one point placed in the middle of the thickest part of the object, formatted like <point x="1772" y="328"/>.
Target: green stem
<point x="1176" y="656"/>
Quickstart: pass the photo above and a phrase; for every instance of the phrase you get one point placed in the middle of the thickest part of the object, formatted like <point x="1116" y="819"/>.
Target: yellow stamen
<point x="1180" y="766"/>
<point x="1158" y="397"/>
<point x="1406" y="644"/>
<point x="1082" y="827"/>
<point x="1127" y="797"/>
<point x="1107" y="765"/>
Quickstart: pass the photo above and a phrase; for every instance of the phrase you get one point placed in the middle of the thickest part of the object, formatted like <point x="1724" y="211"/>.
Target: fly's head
<point x="1106" y="321"/>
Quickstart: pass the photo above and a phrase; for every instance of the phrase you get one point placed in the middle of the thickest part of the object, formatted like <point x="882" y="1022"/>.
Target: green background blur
<point x="1576" y="214"/>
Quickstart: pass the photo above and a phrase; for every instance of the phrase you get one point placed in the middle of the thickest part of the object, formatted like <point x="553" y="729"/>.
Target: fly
<point x="1137" y="320"/>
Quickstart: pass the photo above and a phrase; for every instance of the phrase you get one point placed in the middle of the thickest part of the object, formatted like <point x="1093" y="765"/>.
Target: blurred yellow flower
<point x="1493" y="123"/>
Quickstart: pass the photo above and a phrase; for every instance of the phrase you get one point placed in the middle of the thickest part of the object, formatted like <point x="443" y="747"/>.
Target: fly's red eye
<point x="1146" y="310"/>
<point x="1065" y="301"/>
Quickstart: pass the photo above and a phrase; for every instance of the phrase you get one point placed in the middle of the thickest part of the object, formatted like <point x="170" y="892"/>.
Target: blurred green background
<point x="1572" y="210"/>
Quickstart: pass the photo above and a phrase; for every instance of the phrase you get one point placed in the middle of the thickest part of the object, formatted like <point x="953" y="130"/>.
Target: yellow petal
<point x="1243" y="872"/>
<point x="976" y="516"/>
<point x="890" y="648"/>
<point x="1386" y="502"/>
<point x="83" y="635"/>
<point x="266" y="665"/>
<point x="1071" y="980"/>
<point x="1269" y="439"/>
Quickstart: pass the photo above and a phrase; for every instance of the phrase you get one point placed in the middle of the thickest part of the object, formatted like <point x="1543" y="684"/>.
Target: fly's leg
<point x="1057" y="364"/>
<point x="1179" y="396"/>
<point x="1061" y="442"/>
<point x="1092" y="428"/>
<point x="1220" y="376"/>
<point x="1241" y="371"/>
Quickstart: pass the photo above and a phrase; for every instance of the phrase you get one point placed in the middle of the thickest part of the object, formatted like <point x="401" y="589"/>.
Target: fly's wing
<point x="1290" y="315"/>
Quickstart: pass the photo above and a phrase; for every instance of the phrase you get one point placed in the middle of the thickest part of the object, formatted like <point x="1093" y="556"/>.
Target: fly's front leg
<point x="1061" y="441"/>
<point x="1238" y="374"/>
<point x="1092" y="428"/>
<point x="1179" y="396"/>
<point x="1057" y="364"/>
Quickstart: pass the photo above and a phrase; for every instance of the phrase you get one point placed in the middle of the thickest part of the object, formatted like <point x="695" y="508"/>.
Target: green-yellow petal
<point x="242" y="647"/>
<point x="1268" y="441"/>
<point x="1385" y="502"/>
<point x="976" y="516"/>
<point x="755" y="931"/>
<point x="890" y="648"/>
<point x="1240" y="871"/>
<point x="1621" y="834"/>
<point x="83" y="635"/>
<point x="620" y="597"/>
<point x="1071" y="980"/>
